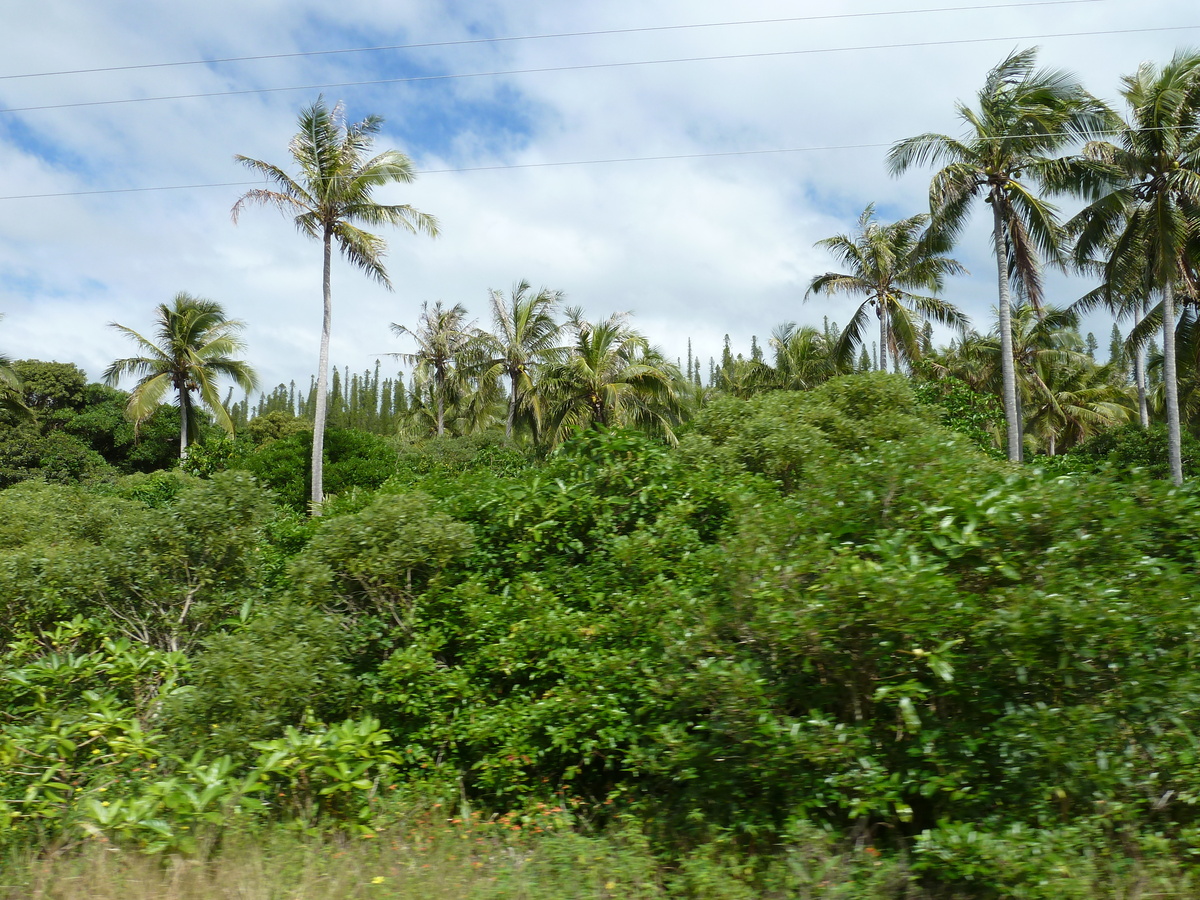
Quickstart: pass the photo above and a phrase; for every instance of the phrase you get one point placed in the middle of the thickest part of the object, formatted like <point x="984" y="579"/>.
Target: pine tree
<point x="1116" y="351"/>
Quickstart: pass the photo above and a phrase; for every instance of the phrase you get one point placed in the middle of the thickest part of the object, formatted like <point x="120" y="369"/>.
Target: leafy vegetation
<point x="330" y="199"/>
<point x="823" y="622"/>
<point x="801" y="630"/>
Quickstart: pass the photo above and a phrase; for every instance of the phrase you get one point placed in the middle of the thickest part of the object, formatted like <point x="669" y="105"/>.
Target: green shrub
<point x="258" y="676"/>
<point x="163" y="575"/>
<point x="353" y="459"/>
<point x="1128" y="447"/>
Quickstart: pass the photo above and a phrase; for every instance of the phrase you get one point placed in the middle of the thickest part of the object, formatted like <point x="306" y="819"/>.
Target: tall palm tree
<point x="526" y="336"/>
<point x="331" y="198"/>
<point x="1122" y="304"/>
<point x="611" y="377"/>
<point x="1025" y="117"/>
<point x="194" y="345"/>
<point x="1149" y="221"/>
<point x="885" y="261"/>
<point x="448" y="352"/>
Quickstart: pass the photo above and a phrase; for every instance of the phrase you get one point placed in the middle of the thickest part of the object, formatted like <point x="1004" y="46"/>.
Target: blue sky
<point x="694" y="247"/>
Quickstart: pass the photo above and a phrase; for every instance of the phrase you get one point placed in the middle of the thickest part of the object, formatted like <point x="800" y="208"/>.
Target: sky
<point x="674" y="160"/>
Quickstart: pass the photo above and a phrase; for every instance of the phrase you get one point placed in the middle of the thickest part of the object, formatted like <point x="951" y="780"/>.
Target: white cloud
<point x="699" y="247"/>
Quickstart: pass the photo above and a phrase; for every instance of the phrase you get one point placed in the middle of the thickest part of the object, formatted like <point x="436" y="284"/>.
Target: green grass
<point x="500" y="860"/>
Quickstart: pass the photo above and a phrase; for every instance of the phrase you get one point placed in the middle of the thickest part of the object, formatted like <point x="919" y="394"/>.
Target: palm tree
<point x="194" y="345"/>
<point x="805" y="357"/>
<point x="1121" y="304"/>
<point x="12" y="400"/>
<point x="1148" y="222"/>
<point x="1064" y="396"/>
<point x="331" y="198"/>
<point x="1074" y="401"/>
<point x="448" y="349"/>
<point x="611" y="377"/>
<point x="885" y="261"/>
<point x="1025" y="116"/>
<point x="1187" y="359"/>
<point x="526" y="336"/>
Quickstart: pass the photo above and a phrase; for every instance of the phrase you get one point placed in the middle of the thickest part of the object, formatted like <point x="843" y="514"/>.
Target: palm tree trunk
<point x="1007" y="366"/>
<point x="512" y="407"/>
<point x="1171" y="385"/>
<point x="1139" y="373"/>
<point x="183" y="420"/>
<point x="319" y="414"/>
<point x="441" y="406"/>
<point x="883" y="334"/>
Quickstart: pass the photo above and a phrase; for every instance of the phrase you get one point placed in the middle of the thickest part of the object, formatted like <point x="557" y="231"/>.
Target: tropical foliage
<point x="796" y="629"/>
<point x="447" y="345"/>
<point x="822" y="613"/>
<point x="1148" y="225"/>
<point x="887" y="261"/>
<point x="525" y="339"/>
<point x="331" y="199"/>
<point x="611" y="377"/>
<point x="194" y="345"/>
<point x="1025" y="117"/>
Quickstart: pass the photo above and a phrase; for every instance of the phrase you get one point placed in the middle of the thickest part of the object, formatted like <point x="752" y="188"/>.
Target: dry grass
<point x="451" y="863"/>
<point x="491" y="861"/>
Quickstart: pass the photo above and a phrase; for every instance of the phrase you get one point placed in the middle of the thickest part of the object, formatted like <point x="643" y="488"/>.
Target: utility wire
<point x="506" y="166"/>
<point x="540" y="37"/>
<point x="586" y="66"/>
<point x="493" y="168"/>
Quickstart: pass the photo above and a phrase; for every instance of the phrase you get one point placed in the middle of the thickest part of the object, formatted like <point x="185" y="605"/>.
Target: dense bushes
<point x="78" y="432"/>
<point x="821" y="610"/>
<point x="164" y="574"/>
<point x="1128" y="447"/>
<point x="353" y="459"/>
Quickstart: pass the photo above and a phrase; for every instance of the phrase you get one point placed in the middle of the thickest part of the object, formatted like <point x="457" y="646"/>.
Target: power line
<point x="137" y="190"/>
<point x="586" y="66"/>
<point x="539" y="37"/>
<point x="512" y="166"/>
<point x="493" y="168"/>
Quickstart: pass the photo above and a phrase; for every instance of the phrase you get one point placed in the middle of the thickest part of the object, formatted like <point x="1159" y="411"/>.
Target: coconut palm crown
<point x="446" y="356"/>
<point x="193" y="346"/>
<point x="1025" y="118"/>
<point x="884" y="261"/>
<point x="611" y="377"/>
<point x="524" y="338"/>
<point x="332" y="199"/>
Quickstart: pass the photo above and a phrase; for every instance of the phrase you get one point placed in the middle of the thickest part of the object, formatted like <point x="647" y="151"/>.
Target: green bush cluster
<point x="821" y="611"/>
<point x="78" y="432"/>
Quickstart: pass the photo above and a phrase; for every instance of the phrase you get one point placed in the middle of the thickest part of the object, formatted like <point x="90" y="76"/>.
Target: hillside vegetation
<point x="823" y="622"/>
